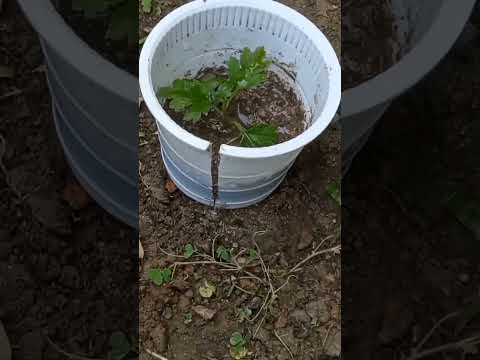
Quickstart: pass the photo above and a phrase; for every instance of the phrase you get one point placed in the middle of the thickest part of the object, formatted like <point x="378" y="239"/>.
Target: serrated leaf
<point x="120" y="346"/>
<point x="260" y="135"/>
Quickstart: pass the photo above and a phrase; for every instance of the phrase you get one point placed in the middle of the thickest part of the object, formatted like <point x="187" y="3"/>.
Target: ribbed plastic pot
<point x="205" y="34"/>
<point x="434" y="26"/>
<point x="95" y="111"/>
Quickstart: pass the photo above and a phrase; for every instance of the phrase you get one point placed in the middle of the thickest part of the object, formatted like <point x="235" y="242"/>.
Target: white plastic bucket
<point x="205" y="34"/>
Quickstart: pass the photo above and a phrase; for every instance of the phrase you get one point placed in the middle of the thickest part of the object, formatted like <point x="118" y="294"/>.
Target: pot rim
<point x="316" y="36"/>
<point x="59" y="36"/>
<point x="414" y="65"/>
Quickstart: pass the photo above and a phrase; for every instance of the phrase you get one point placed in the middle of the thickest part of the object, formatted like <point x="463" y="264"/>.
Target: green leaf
<point x="194" y="97"/>
<point x="334" y="191"/>
<point x="120" y="346"/>
<point x="235" y="72"/>
<point x="189" y="251"/>
<point x="224" y="254"/>
<point x="147" y="6"/>
<point x="252" y="255"/>
<point x="260" y="135"/>
<point x="237" y="339"/>
<point x="160" y="276"/>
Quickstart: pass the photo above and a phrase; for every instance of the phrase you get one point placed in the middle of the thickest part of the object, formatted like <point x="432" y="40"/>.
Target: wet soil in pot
<point x="93" y="28"/>
<point x="370" y="43"/>
<point x="275" y="103"/>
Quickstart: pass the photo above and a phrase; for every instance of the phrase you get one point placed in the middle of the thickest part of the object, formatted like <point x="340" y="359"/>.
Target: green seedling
<point x="196" y="98"/>
<point x="238" y="349"/>
<point x="189" y="251"/>
<point x="188" y="318"/>
<point x="252" y="255"/>
<point x="245" y="314"/>
<point x="161" y="277"/>
<point x="122" y="24"/>
<point x="224" y="254"/>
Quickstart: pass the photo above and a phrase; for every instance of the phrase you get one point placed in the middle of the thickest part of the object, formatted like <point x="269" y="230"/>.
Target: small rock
<point x="318" y="311"/>
<point x="31" y="346"/>
<point x="5" y="349"/>
<point x="159" y="336"/>
<point x="306" y="240"/>
<point x="189" y="293"/>
<point x="333" y="345"/>
<point x="170" y="186"/>
<point x="204" y="312"/>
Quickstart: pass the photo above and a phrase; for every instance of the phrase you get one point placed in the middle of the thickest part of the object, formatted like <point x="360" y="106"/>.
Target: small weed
<point x="160" y="276"/>
<point x="252" y="255"/>
<point x="224" y="254"/>
<point x="245" y="314"/>
<point x="238" y="349"/>
<point x="147" y="6"/>
<point x="188" y="318"/>
<point x="189" y="251"/>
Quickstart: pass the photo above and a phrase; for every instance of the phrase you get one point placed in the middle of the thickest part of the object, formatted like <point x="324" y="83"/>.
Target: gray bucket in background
<point x="432" y="27"/>
<point x="95" y="111"/>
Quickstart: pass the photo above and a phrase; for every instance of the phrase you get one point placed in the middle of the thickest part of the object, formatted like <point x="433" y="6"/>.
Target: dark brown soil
<point x="93" y="31"/>
<point x="67" y="268"/>
<point x="287" y="227"/>
<point x="275" y="103"/>
<point x="368" y="40"/>
<point x="410" y="258"/>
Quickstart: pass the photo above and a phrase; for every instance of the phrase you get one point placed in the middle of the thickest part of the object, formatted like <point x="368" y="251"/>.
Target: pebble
<point x="305" y="240"/>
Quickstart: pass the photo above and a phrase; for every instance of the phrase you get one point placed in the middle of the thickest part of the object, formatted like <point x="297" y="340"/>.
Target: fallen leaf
<point x="76" y="196"/>
<point x="140" y="250"/>
<point x="204" y="312"/>
<point x="208" y="290"/>
<point x="170" y="186"/>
